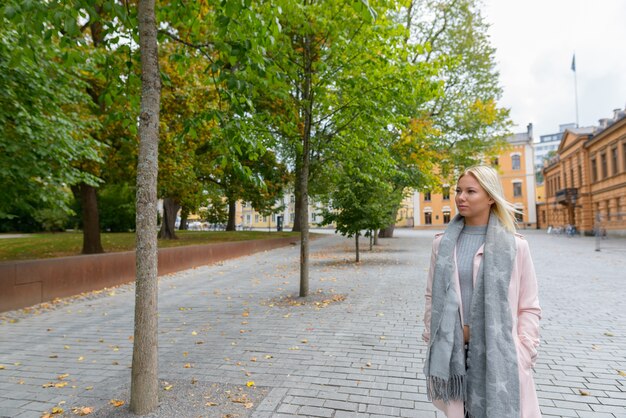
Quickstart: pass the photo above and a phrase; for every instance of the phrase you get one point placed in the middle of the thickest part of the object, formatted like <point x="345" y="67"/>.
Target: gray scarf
<point x="490" y="384"/>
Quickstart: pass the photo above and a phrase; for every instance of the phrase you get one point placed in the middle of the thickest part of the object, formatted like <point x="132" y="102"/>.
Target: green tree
<point x="42" y="127"/>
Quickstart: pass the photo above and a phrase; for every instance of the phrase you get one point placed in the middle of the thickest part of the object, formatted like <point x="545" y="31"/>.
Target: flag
<point x="574" y="63"/>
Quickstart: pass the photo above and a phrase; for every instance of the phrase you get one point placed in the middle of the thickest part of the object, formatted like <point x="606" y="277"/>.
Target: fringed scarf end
<point x="452" y="389"/>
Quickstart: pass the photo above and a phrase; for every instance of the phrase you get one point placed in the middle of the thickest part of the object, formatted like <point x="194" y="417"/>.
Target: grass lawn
<point x="63" y="244"/>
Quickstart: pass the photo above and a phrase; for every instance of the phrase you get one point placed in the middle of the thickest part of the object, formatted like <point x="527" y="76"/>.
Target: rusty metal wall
<point x="29" y="282"/>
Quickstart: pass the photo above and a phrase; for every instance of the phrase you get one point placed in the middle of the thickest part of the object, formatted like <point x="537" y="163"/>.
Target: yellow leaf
<point x="609" y="334"/>
<point x="253" y="359"/>
<point x="294" y="348"/>
<point x="62" y="376"/>
<point x="621" y="373"/>
<point x="81" y="358"/>
<point x="89" y="388"/>
<point x="269" y="356"/>
<point x="168" y="387"/>
<point x="67" y="347"/>
<point x="57" y="410"/>
<point x="583" y="392"/>
<point x="185" y="353"/>
<point x="211" y="404"/>
<point x="2" y="367"/>
<point x="60" y="385"/>
<point x="187" y="366"/>
<point x="304" y="341"/>
<point x="194" y="333"/>
<point x="82" y="410"/>
<point x="245" y="314"/>
<point x="116" y="402"/>
<point x="248" y="405"/>
<point x="250" y="383"/>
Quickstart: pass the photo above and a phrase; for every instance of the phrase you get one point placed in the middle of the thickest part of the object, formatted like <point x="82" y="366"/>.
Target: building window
<point x="292" y="217"/>
<point x="594" y="170"/>
<point x="427" y="196"/>
<point x="603" y="165"/>
<point x="519" y="216"/>
<point x="614" y="158"/>
<point x="274" y="217"/>
<point x="428" y="218"/>
<point x="446" y="217"/>
<point x="516" y="162"/>
<point x="256" y="218"/>
<point x="580" y="176"/>
<point x="446" y="194"/>
<point x="517" y="189"/>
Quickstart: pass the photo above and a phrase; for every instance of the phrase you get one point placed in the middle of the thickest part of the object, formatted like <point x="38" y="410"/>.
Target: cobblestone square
<point x="353" y="350"/>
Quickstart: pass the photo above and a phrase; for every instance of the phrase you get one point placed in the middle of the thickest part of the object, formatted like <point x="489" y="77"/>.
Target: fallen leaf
<point x="269" y="356"/>
<point x="53" y="356"/>
<point x="194" y="380"/>
<point x="67" y="347"/>
<point x="82" y="410"/>
<point x="81" y="358"/>
<point x="57" y="410"/>
<point x="250" y="383"/>
<point x="621" y="373"/>
<point x="304" y="341"/>
<point x="117" y="402"/>
<point x="253" y="359"/>
<point x="168" y="387"/>
<point x="89" y="388"/>
<point x="211" y="404"/>
<point x="2" y="367"/>
<point x="583" y="392"/>
<point x="60" y="385"/>
<point x="62" y="376"/>
<point x="294" y="348"/>
<point x="248" y="405"/>
<point x="194" y="333"/>
<point x="245" y="314"/>
<point x="609" y="334"/>
<point x="368" y="364"/>
<point x="187" y="366"/>
<point x="185" y="353"/>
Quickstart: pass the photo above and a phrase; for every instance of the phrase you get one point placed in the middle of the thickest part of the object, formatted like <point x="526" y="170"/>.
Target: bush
<point x="117" y="207"/>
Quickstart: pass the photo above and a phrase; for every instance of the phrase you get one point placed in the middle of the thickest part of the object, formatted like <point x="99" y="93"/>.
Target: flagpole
<point x="575" y="87"/>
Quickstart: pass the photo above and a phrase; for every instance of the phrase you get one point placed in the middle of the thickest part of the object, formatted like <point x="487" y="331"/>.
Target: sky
<point x="535" y="41"/>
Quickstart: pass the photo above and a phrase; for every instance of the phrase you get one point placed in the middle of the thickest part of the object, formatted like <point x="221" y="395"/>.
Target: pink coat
<point x="524" y="304"/>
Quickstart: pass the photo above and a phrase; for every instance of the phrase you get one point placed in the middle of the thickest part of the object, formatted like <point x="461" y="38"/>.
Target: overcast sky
<point x="535" y="41"/>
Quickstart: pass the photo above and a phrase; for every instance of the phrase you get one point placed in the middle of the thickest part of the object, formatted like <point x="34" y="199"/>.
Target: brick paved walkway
<point x="361" y="356"/>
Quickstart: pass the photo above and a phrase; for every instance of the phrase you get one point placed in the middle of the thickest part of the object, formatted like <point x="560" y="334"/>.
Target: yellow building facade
<point x="516" y="167"/>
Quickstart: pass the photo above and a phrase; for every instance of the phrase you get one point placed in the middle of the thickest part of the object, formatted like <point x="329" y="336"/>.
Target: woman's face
<point x="472" y="201"/>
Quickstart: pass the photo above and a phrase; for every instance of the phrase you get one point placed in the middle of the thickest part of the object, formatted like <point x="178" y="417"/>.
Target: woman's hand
<point x="466" y="333"/>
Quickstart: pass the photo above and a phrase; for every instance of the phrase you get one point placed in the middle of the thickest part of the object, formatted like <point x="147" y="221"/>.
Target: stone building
<point x="586" y="181"/>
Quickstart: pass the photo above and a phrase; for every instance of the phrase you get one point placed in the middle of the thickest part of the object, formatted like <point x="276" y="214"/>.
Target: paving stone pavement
<point x="356" y="352"/>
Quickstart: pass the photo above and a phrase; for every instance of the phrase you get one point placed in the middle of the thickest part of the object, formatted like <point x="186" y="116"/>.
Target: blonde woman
<point x="482" y="310"/>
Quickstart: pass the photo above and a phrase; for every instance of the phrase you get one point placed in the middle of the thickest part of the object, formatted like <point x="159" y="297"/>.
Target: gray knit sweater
<point x="470" y="240"/>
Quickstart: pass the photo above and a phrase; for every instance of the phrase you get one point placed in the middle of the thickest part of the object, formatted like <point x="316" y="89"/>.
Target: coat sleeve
<point x="529" y="311"/>
<point x="429" y="288"/>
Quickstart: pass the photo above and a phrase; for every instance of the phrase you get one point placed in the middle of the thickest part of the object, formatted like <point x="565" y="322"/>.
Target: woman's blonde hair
<point x="489" y="180"/>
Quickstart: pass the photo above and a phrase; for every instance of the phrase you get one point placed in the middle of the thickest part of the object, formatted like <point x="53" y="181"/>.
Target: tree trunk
<point x="376" y="237"/>
<point x="356" y="239"/>
<point x="371" y="239"/>
<point x="307" y="96"/>
<point x="92" y="243"/>
<point x="184" y="214"/>
<point x="170" y="210"/>
<point x="387" y="232"/>
<point x="232" y="215"/>
<point x="297" y="225"/>
<point x="144" y="375"/>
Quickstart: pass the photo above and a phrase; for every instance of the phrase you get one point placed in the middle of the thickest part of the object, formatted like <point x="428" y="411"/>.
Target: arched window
<point x="516" y="162"/>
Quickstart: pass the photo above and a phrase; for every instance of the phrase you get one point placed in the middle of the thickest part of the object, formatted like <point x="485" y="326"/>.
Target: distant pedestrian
<point x="482" y="310"/>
